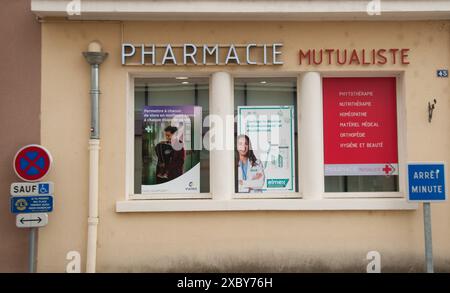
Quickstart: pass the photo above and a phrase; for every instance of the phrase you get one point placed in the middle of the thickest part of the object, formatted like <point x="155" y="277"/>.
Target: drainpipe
<point x="94" y="56"/>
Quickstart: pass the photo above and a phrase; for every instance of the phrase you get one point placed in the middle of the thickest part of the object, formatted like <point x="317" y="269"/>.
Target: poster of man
<point x="171" y="147"/>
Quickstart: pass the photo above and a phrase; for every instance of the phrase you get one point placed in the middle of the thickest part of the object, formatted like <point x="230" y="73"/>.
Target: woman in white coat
<point x="250" y="169"/>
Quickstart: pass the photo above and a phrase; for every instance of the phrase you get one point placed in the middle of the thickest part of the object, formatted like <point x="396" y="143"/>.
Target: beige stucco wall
<point x="225" y="241"/>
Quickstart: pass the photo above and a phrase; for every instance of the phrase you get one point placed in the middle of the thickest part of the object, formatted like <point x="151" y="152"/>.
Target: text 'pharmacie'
<point x="205" y="54"/>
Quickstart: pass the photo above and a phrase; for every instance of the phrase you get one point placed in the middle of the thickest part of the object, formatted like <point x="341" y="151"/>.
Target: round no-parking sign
<point x="32" y="162"/>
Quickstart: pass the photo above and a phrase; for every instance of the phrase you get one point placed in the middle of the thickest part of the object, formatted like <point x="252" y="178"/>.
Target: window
<point x="266" y="136"/>
<point x="361" y="143"/>
<point x="360" y="134"/>
<point x="168" y="154"/>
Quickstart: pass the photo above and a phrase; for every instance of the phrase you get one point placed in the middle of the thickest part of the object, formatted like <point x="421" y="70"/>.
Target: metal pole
<point x="94" y="59"/>
<point x="32" y="251"/>
<point x="428" y="241"/>
<point x="95" y="93"/>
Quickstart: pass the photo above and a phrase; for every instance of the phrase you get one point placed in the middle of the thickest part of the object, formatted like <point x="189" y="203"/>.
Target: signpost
<point x="31" y="220"/>
<point x="31" y="200"/>
<point x="426" y="183"/>
<point x="32" y="162"/>
<point x="31" y="204"/>
<point x="25" y="188"/>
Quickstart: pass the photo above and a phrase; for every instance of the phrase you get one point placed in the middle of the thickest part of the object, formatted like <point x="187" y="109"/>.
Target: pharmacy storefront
<point x="232" y="145"/>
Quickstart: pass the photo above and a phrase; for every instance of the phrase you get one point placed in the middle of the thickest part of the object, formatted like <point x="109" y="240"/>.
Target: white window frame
<point x="131" y="195"/>
<point x="270" y="195"/>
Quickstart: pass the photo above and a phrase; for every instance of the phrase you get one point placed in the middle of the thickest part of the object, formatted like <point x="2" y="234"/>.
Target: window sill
<point x="205" y="205"/>
<point x="344" y="195"/>
<point x="171" y="196"/>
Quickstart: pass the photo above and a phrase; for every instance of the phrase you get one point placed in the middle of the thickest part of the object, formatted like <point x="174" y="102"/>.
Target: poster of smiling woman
<point x="265" y="160"/>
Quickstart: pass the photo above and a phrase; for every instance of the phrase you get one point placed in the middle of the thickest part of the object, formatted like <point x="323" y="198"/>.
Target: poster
<point x="171" y="144"/>
<point x="265" y="149"/>
<point x="360" y="126"/>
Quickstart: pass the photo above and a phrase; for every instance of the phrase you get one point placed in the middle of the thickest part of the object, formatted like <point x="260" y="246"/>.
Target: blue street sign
<point x="31" y="204"/>
<point x="442" y="73"/>
<point x="426" y="182"/>
<point x="44" y="188"/>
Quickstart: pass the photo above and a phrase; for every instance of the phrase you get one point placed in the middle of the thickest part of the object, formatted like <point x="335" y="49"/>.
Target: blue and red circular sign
<point x="32" y="162"/>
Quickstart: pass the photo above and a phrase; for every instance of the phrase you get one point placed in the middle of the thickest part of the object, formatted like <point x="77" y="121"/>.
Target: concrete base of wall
<point x="286" y="264"/>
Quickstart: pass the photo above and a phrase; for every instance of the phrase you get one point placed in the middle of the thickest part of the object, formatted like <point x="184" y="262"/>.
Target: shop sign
<point x="363" y="57"/>
<point x="360" y="126"/>
<point x="204" y="54"/>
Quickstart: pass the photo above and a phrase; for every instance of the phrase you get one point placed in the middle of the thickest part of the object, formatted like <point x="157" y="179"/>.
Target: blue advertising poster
<point x="426" y="182"/>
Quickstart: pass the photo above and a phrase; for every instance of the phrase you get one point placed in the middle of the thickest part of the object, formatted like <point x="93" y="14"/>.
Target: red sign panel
<point x="32" y="162"/>
<point x="360" y="126"/>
